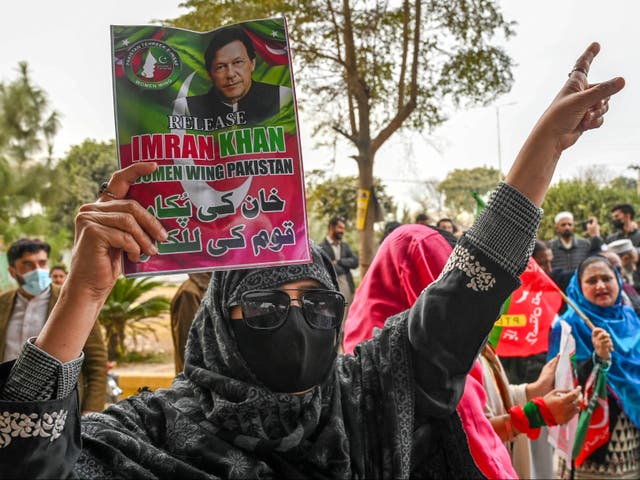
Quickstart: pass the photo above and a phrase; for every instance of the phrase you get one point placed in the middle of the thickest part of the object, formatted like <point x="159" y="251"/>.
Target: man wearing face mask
<point x="622" y="221"/>
<point x="569" y="250"/>
<point x="24" y="310"/>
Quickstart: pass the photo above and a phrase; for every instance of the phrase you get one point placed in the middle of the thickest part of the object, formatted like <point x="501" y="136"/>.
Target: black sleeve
<point x="595" y="245"/>
<point x="449" y="324"/>
<point x="450" y="321"/>
<point x="38" y="439"/>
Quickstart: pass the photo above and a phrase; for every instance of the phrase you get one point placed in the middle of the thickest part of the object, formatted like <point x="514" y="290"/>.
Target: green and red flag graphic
<point x="593" y="425"/>
<point x="269" y="40"/>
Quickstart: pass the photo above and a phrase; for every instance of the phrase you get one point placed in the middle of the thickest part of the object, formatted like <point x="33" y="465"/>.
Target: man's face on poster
<point x="231" y="70"/>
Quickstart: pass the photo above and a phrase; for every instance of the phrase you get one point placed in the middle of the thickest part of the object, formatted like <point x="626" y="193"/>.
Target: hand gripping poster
<point x="216" y="111"/>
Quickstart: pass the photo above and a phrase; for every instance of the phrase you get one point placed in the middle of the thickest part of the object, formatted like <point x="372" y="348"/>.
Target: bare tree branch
<point x="405" y="47"/>
<point x="348" y="136"/>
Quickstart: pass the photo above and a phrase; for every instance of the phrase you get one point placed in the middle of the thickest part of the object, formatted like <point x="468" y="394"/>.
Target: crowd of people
<point x="292" y="372"/>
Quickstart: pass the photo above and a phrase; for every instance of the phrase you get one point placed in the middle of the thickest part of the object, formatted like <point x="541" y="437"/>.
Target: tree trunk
<point x="366" y="237"/>
<point x="115" y="340"/>
<point x="120" y="337"/>
<point x="112" y="344"/>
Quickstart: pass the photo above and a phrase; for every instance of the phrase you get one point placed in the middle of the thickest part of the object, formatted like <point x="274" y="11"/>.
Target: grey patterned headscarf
<point x="214" y="363"/>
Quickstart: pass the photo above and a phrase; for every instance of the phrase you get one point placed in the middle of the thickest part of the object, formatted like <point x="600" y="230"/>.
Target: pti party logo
<point x="152" y="64"/>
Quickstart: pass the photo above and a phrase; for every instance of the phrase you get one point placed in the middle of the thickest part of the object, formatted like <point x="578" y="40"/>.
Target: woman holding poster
<point x="264" y="394"/>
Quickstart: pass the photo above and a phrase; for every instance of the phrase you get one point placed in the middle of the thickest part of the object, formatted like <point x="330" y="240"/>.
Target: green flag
<point x="593" y="425"/>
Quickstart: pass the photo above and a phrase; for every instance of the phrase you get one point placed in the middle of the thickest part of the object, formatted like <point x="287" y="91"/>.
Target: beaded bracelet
<point x="521" y="422"/>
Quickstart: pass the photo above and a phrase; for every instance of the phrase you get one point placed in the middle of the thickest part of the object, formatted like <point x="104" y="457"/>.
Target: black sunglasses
<point x="268" y="309"/>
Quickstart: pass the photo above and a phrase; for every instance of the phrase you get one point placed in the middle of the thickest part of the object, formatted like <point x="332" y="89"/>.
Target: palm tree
<point x="27" y="128"/>
<point x="123" y="312"/>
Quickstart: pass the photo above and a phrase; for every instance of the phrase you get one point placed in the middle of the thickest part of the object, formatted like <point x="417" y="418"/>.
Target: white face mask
<point x="36" y="281"/>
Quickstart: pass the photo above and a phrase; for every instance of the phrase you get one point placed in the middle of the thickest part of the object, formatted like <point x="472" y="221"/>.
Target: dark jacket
<point x="570" y="258"/>
<point x="261" y="102"/>
<point x="634" y="236"/>
<point x="348" y="260"/>
<point x="413" y="375"/>
<point x="93" y="379"/>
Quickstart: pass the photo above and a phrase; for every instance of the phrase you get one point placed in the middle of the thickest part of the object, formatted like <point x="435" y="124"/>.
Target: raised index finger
<point x="583" y="64"/>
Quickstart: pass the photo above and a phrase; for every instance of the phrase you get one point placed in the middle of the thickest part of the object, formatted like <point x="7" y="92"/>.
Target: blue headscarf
<point x="623" y="324"/>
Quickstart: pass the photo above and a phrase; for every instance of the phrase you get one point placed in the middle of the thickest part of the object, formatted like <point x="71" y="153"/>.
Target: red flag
<point x="523" y="328"/>
<point x="593" y="426"/>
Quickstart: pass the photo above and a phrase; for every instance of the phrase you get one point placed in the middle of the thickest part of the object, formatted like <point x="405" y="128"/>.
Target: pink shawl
<point x="409" y="259"/>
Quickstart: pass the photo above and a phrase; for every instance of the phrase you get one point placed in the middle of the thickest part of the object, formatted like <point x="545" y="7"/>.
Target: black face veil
<point x="214" y="347"/>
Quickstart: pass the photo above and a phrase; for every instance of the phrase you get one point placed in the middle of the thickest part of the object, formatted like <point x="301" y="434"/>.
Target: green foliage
<point x="336" y="196"/>
<point x="585" y="198"/>
<point x="27" y="128"/>
<point x="624" y="183"/>
<point x="124" y="311"/>
<point x="147" y="357"/>
<point x="37" y="197"/>
<point x="459" y="184"/>
<point x="77" y="178"/>
<point x="206" y="15"/>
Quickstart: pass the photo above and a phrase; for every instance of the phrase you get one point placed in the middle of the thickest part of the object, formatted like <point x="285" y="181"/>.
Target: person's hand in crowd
<point x="545" y="381"/>
<point x="578" y="107"/>
<point x="602" y="343"/>
<point x="593" y="227"/>
<point x="563" y="404"/>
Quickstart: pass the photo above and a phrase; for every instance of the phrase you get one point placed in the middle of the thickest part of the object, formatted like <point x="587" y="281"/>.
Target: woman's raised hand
<point x="105" y="230"/>
<point x="578" y="107"/>
<point x="545" y="381"/>
<point x="563" y="404"/>
<point x="110" y="227"/>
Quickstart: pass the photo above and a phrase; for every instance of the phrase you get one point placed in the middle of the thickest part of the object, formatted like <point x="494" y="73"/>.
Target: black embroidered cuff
<point x="506" y="229"/>
<point x="37" y="376"/>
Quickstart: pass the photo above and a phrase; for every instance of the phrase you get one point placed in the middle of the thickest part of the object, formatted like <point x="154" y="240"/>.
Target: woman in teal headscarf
<point x="595" y="289"/>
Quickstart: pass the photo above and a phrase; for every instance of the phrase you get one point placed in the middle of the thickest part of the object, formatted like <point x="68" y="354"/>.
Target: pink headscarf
<point x="409" y="259"/>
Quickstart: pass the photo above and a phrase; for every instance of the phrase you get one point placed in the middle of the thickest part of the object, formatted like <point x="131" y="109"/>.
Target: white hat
<point x="621" y="246"/>
<point x="562" y="215"/>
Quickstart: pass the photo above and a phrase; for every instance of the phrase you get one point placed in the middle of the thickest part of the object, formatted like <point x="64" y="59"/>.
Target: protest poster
<point x="216" y="111"/>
